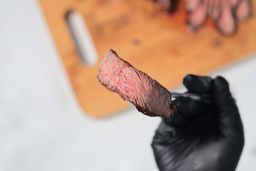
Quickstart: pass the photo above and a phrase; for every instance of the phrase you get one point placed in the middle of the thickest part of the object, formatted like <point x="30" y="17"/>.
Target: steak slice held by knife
<point x="135" y="86"/>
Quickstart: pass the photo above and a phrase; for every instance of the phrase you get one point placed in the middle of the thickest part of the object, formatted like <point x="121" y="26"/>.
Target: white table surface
<point x="41" y="125"/>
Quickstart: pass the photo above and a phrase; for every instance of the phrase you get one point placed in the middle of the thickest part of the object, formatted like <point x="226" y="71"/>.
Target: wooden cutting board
<point x="153" y="42"/>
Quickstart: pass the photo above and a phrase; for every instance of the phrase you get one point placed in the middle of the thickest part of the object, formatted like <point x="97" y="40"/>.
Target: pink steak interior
<point x="135" y="86"/>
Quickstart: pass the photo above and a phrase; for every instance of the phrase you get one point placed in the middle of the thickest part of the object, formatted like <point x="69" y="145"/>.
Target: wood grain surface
<point x="153" y="42"/>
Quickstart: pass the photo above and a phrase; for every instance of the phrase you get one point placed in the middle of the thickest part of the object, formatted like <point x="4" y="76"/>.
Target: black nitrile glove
<point x="201" y="136"/>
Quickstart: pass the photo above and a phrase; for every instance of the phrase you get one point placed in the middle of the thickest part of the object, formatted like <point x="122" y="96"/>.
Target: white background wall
<point x="41" y="126"/>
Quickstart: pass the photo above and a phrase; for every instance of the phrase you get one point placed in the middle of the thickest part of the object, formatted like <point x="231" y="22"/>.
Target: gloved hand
<point x="201" y="136"/>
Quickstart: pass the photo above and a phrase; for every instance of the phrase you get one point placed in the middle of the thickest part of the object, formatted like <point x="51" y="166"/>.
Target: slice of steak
<point x="135" y="86"/>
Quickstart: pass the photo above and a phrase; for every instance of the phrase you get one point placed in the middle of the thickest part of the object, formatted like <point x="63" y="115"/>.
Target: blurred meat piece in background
<point x="167" y="5"/>
<point x="225" y="13"/>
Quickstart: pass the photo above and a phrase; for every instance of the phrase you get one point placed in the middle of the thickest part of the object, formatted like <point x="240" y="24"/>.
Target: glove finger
<point x="229" y="118"/>
<point x="197" y="84"/>
<point x="221" y="96"/>
<point x="221" y="92"/>
<point x="189" y="107"/>
<point x="186" y="109"/>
